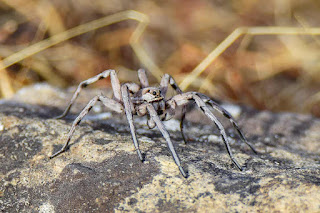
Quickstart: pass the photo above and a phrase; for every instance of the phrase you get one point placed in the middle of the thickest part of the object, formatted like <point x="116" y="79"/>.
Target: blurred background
<point x="275" y="72"/>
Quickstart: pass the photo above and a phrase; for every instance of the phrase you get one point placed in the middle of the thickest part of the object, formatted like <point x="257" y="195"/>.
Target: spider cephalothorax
<point x="133" y="99"/>
<point x="151" y="94"/>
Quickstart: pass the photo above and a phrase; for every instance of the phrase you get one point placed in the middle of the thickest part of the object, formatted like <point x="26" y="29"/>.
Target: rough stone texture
<point x="101" y="171"/>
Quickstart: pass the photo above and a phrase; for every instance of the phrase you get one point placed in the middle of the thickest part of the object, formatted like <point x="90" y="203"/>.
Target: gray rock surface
<point x="101" y="171"/>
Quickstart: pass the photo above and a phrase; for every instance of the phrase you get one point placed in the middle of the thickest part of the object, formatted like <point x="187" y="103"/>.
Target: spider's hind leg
<point x="115" y="86"/>
<point x="165" y="81"/>
<point x="143" y="78"/>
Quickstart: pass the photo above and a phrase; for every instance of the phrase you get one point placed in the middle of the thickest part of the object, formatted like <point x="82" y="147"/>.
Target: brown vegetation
<point x="273" y="64"/>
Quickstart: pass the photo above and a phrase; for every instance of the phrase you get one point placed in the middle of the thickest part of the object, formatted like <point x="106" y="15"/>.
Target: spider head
<point x="151" y="94"/>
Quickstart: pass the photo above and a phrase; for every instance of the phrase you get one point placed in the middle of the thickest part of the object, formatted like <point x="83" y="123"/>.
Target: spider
<point x="133" y="99"/>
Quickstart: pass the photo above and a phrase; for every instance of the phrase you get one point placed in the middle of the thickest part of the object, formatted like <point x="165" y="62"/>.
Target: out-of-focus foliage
<point x="276" y="72"/>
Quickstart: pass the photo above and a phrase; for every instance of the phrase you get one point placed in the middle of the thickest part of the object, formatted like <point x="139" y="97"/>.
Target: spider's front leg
<point x="114" y="82"/>
<point x="226" y="114"/>
<point x="128" y="106"/>
<point x="183" y="99"/>
<point x="108" y="102"/>
<point x="223" y="112"/>
<point x="154" y="116"/>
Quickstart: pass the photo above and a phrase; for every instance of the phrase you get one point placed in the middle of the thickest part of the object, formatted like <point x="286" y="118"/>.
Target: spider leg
<point x="165" y="81"/>
<point x="201" y="104"/>
<point x="225" y="113"/>
<point x="183" y="116"/>
<point x="114" y="82"/>
<point x="143" y="78"/>
<point x="110" y="103"/>
<point x="128" y="106"/>
<point x="153" y="114"/>
<point x="183" y="99"/>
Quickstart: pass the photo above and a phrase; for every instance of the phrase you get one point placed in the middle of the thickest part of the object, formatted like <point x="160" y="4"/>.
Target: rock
<point x="101" y="171"/>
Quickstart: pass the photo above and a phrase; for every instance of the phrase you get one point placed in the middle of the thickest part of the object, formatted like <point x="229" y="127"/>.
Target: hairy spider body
<point x="133" y="99"/>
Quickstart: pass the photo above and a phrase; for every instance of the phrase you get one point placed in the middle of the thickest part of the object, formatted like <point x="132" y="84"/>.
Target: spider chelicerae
<point x="134" y="99"/>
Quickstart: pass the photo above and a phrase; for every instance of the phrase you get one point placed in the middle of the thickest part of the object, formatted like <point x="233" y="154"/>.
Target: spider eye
<point x="154" y="93"/>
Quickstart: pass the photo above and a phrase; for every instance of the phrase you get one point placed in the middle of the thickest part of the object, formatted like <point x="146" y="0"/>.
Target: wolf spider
<point x="134" y="99"/>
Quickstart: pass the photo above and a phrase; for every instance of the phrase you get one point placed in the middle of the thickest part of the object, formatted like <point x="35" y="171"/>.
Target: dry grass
<point x="263" y="54"/>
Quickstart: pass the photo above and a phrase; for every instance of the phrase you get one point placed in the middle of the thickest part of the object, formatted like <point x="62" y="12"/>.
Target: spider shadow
<point x="24" y="110"/>
<point x="44" y="112"/>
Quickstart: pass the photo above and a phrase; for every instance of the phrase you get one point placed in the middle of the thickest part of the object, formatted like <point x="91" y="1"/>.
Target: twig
<point x="234" y="36"/>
